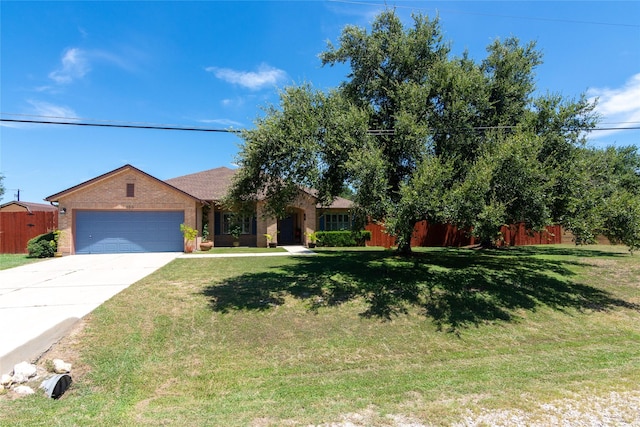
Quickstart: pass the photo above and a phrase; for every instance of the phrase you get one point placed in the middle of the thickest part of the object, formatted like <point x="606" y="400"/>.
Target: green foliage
<point x="44" y="245"/>
<point x="419" y="134"/>
<point x="342" y="238"/>
<point x="1" y="186"/>
<point x="189" y="233"/>
<point x="488" y="221"/>
<point x="605" y="197"/>
<point x="622" y="219"/>
<point x="235" y="231"/>
<point x="205" y="222"/>
<point x="305" y="143"/>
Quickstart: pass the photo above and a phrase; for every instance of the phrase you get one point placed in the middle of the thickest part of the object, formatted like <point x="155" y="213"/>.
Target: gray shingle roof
<point x="213" y="184"/>
<point x="210" y="185"/>
<point x="340" y="203"/>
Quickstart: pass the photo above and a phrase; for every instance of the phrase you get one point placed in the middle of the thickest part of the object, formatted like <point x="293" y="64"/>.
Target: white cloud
<point x="74" y="65"/>
<point x="43" y="111"/>
<point x="254" y="80"/>
<point x="233" y="102"/>
<point x="52" y="111"/>
<point x="119" y="61"/>
<point x="13" y="125"/>
<point x="223" y="122"/>
<point x="618" y="107"/>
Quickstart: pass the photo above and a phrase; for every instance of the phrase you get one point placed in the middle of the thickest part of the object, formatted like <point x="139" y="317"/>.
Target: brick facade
<point x="130" y="189"/>
<point x="110" y="193"/>
<point x="305" y="208"/>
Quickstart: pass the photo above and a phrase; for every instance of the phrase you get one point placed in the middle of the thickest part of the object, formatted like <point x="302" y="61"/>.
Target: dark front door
<point x="286" y="229"/>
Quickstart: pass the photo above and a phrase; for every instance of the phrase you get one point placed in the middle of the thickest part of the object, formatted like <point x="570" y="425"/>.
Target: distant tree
<point x="606" y="196"/>
<point x="418" y="134"/>
<point x="1" y="186"/>
<point x="621" y="216"/>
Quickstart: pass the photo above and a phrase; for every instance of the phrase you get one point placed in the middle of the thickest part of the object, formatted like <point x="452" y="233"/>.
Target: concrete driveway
<point x="40" y="302"/>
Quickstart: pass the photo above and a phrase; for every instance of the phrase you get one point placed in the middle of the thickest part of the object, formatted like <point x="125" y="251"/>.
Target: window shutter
<point x="254" y="225"/>
<point x="321" y="222"/>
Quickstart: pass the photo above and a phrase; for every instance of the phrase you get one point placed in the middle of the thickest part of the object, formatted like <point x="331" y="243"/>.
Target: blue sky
<point x="216" y="64"/>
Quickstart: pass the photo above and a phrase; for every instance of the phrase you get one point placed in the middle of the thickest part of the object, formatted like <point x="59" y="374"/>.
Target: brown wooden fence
<point x="425" y="234"/>
<point x="16" y="228"/>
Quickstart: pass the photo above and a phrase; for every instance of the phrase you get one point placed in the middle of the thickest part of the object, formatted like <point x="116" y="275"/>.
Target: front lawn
<point x="361" y="337"/>
<point x="15" y="260"/>
<point x="239" y="250"/>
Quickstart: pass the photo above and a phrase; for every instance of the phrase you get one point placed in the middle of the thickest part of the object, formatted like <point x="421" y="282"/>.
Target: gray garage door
<point x="106" y="232"/>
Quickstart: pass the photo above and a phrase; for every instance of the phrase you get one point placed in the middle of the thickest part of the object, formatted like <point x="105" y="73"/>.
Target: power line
<point x="376" y="132"/>
<point x="122" y="126"/>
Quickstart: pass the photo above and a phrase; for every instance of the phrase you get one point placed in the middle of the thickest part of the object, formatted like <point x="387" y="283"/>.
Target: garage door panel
<point x="122" y="232"/>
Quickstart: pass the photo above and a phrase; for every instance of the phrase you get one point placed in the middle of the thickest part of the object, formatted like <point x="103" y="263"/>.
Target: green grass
<point x="239" y="250"/>
<point x="15" y="260"/>
<point x="306" y="340"/>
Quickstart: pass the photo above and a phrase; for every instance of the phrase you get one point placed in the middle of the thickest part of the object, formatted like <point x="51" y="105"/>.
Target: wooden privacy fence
<point x="16" y="228"/>
<point x="425" y="234"/>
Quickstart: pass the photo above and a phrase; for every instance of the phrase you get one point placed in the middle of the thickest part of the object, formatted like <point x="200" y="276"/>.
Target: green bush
<point x="44" y="245"/>
<point x="342" y="238"/>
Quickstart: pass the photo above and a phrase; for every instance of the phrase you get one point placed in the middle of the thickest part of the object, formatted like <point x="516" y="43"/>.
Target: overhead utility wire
<point x="377" y="132"/>
<point x="124" y="126"/>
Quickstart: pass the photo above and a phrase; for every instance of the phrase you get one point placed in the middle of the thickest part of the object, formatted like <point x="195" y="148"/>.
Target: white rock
<point x="60" y="367"/>
<point x="19" y="379"/>
<point x="23" y="389"/>
<point x="27" y="370"/>
<point x="5" y="380"/>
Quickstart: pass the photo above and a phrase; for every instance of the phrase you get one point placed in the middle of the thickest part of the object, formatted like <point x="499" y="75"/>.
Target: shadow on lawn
<point x="455" y="288"/>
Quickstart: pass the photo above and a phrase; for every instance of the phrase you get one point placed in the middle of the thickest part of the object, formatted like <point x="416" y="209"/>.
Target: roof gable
<point x="98" y="179"/>
<point x="210" y="185"/>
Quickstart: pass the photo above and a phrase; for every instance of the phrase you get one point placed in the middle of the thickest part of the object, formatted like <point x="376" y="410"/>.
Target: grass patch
<point x="240" y="250"/>
<point x="309" y="340"/>
<point x="15" y="260"/>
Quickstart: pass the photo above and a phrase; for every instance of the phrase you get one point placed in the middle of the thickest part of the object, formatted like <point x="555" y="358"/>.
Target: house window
<point x="337" y="222"/>
<point x="130" y="190"/>
<point x="229" y="220"/>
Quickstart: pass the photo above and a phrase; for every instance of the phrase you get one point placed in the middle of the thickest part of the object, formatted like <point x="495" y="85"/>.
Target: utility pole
<point x="15" y="195"/>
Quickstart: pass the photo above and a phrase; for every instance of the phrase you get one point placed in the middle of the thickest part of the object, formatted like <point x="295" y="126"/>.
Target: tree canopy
<point x="416" y="133"/>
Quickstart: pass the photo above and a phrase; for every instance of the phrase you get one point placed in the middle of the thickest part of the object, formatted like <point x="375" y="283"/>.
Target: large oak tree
<point x="418" y="133"/>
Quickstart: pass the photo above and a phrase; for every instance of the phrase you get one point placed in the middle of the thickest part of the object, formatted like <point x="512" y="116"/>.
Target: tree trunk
<point x="404" y="241"/>
<point x="405" y="248"/>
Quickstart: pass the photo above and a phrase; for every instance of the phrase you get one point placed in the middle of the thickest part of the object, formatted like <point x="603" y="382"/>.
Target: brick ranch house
<point x="128" y="210"/>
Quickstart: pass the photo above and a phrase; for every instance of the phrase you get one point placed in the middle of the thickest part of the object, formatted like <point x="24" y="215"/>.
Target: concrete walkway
<point x="290" y="250"/>
<point x="40" y="302"/>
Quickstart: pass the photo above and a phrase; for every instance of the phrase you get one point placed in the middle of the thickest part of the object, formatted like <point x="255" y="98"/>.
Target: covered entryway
<point x="290" y="230"/>
<point x="107" y="232"/>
